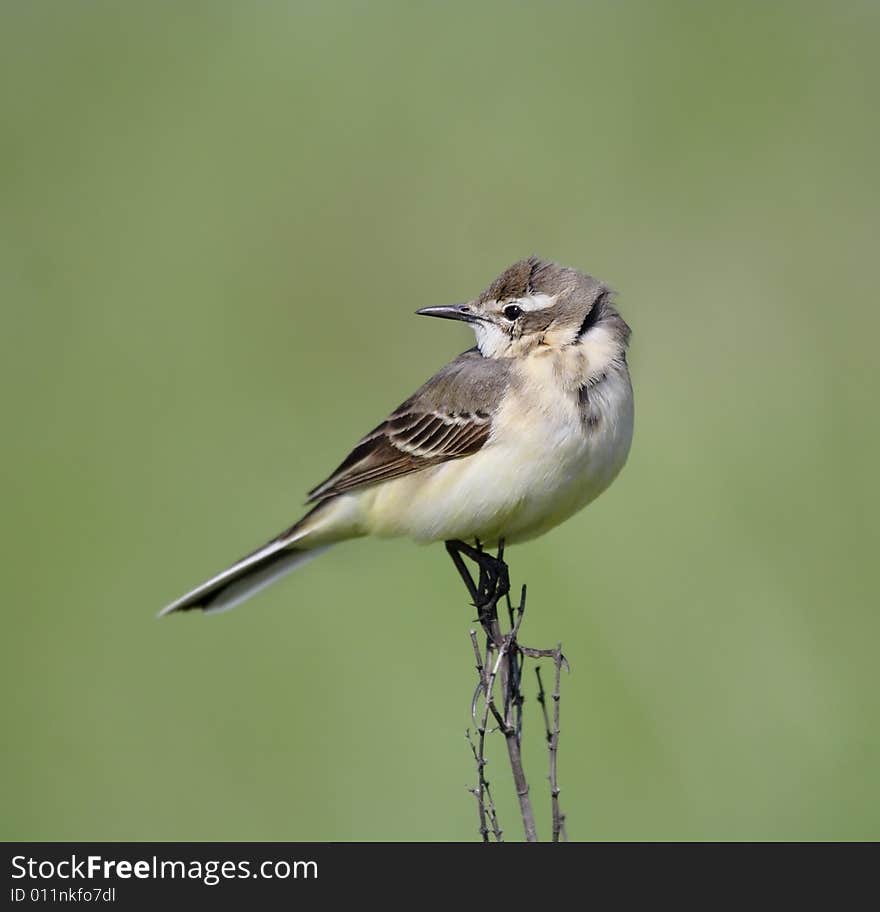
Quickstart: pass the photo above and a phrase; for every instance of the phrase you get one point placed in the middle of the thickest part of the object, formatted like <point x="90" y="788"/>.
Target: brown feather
<point x="450" y="417"/>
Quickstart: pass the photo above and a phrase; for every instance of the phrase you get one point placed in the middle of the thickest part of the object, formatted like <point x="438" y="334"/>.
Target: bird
<point x="508" y="440"/>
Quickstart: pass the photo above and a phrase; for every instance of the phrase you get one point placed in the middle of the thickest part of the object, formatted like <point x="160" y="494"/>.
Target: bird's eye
<point x="511" y="312"/>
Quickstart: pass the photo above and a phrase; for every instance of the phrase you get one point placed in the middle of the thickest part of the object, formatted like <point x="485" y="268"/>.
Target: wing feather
<point x="450" y="417"/>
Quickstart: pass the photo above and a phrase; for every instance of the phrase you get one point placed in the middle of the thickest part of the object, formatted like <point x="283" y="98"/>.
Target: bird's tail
<point x="254" y="572"/>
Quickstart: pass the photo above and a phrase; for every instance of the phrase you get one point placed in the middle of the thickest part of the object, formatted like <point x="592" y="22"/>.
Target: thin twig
<point x="543" y="703"/>
<point x="508" y="659"/>
<point x="552" y="736"/>
<point x="480" y="791"/>
<point x="483" y="792"/>
<point x="503" y="659"/>
<point x="558" y="816"/>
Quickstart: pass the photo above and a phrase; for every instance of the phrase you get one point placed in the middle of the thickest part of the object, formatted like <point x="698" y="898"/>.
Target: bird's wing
<point x="448" y="418"/>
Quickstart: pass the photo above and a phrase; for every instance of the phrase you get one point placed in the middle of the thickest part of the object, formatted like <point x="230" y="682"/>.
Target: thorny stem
<point x="552" y="735"/>
<point x="508" y="655"/>
<point x="485" y="802"/>
<point x="503" y="659"/>
<point x="558" y="816"/>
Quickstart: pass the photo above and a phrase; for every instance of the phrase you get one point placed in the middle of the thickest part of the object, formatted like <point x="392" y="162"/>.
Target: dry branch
<point x="500" y="666"/>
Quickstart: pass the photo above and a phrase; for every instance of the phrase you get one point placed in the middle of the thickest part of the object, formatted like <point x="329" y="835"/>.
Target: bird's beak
<point x="451" y="312"/>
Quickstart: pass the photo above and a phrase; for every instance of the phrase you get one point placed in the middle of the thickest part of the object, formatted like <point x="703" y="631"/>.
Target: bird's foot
<point x="493" y="581"/>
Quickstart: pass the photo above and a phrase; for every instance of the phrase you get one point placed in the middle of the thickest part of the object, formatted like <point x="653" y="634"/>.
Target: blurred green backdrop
<point x="216" y="222"/>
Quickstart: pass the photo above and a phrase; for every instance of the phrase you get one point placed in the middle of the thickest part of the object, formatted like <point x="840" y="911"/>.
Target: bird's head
<point x="536" y="304"/>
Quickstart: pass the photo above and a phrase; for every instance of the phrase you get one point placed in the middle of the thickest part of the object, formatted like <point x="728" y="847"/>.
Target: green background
<point x="216" y="221"/>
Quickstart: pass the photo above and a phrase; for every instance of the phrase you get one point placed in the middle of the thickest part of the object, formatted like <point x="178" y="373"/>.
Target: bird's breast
<point x="546" y="458"/>
<point x="570" y="442"/>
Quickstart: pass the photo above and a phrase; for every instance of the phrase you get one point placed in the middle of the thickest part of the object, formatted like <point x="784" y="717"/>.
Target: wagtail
<point x="505" y="442"/>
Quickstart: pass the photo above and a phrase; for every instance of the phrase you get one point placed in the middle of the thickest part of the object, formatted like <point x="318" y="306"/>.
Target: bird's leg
<point x="455" y="549"/>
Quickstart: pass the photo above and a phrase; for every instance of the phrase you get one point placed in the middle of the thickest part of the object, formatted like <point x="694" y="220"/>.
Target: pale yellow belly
<point x="534" y="474"/>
